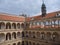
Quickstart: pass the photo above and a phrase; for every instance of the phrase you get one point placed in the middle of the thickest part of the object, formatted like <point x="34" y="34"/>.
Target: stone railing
<point x="10" y="41"/>
<point x="41" y="40"/>
<point x="10" y="30"/>
<point x="50" y="29"/>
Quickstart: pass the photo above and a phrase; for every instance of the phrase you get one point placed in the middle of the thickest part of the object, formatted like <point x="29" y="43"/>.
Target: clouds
<point x="30" y="7"/>
<point x="53" y="5"/>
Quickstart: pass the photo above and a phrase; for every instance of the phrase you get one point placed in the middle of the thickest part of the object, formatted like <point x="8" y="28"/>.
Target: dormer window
<point x="58" y="14"/>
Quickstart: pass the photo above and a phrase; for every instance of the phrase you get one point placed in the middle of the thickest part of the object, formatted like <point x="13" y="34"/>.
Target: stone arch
<point x="33" y="34"/>
<point x="23" y="35"/>
<point x="22" y="25"/>
<point x="48" y="34"/>
<point x="8" y="25"/>
<point x="26" y="33"/>
<point x="27" y="25"/>
<point x="38" y="34"/>
<point x="18" y="43"/>
<point x="18" y="34"/>
<point x="8" y="44"/>
<point x="55" y="36"/>
<point x="33" y="43"/>
<point x="22" y="42"/>
<point x="30" y="43"/>
<point x="2" y="25"/>
<point x="42" y="35"/>
<point x="2" y="37"/>
<point x="14" y="43"/>
<point x="37" y="44"/>
<point x="13" y="25"/>
<point x="14" y="35"/>
<point x="30" y="34"/>
<point x="26" y="42"/>
<point x="8" y="36"/>
<point x="18" y="25"/>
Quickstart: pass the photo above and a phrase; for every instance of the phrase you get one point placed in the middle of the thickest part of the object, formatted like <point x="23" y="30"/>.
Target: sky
<point x="29" y="7"/>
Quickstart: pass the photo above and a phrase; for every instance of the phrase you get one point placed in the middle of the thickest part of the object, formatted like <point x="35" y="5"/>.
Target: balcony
<point x="10" y="41"/>
<point x="5" y="30"/>
<point x="41" y="40"/>
<point x="45" y="29"/>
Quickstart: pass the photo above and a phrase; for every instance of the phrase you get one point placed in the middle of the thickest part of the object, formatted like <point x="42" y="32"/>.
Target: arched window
<point x="2" y="37"/>
<point x="8" y="26"/>
<point x="14" y="26"/>
<point x="2" y="25"/>
<point x="18" y="34"/>
<point x="22" y="42"/>
<point x="30" y="34"/>
<point x="46" y="23"/>
<point x="38" y="23"/>
<point x="27" y="34"/>
<point x="59" y="22"/>
<point x="48" y="36"/>
<point x="33" y="43"/>
<point x="38" y="44"/>
<point x="18" y="43"/>
<point x="38" y="34"/>
<point x="22" y="25"/>
<point x="33" y="34"/>
<point x="8" y="36"/>
<point x="55" y="36"/>
<point x="56" y="22"/>
<point x="8" y="44"/>
<point x="26" y="42"/>
<point x="14" y="35"/>
<point x="14" y="43"/>
<point x="42" y="35"/>
<point x="30" y="43"/>
<point x="42" y="24"/>
<point x="23" y="34"/>
<point x="18" y="25"/>
<point x="53" y="23"/>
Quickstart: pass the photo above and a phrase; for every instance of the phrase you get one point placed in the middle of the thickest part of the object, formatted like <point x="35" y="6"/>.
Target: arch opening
<point x="14" y="43"/>
<point x="18" y="34"/>
<point x="14" y="26"/>
<point x="14" y="35"/>
<point x="42" y="35"/>
<point x="18" y="25"/>
<point x="55" y="36"/>
<point x="8" y="36"/>
<point x="23" y="34"/>
<point x="18" y="43"/>
<point x="2" y="25"/>
<point x="8" y="26"/>
<point x="2" y="37"/>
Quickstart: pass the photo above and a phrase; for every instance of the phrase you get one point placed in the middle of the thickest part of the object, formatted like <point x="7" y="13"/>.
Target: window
<point x="31" y="23"/>
<point x="59" y="22"/>
<point x="42" y="23"/>
<point x="46" y="23"/>
<point x="37" y="23"/>
<point x="34" y="23"/>
<point x="56" y="22"/>
<point x="52" y="22"/>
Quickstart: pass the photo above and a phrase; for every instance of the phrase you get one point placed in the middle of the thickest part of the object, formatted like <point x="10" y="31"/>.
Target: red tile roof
<point x="8" y="17"/>
<point x="39" y="17"/>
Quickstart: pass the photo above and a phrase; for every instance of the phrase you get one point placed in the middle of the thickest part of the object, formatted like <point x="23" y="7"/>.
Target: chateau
<point x="43" y="29"/>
